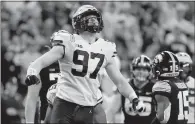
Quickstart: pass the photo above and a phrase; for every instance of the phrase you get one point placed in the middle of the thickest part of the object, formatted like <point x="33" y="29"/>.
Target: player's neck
<point x="89" y="37"/>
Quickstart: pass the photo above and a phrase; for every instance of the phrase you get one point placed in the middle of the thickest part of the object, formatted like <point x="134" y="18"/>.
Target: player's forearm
<point x="36" y="66"/>
<point x="163" y="108"/>
<point x="160" y="111"/>
<point x="119" y="80"/>
<point x="30" y="109"/>
<point x="41" y="63"/>
<point x="126" y="90"/>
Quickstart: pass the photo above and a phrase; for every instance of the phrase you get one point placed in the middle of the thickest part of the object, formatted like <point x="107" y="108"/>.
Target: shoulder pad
<point x="61" y="38"/>
<point x="191" y="80"/>
<point x="161" y="86"/>
<point x="112" y="47"/>
<point x="57" y="32"/>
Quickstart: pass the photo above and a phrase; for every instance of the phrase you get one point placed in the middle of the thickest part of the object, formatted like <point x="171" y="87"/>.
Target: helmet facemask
<point x="141" y="74"/>
<point x="186" y="70"/>
<point x="90" y="21"/>
<point x="141" y="68"/>
<point x="185" y="65"/>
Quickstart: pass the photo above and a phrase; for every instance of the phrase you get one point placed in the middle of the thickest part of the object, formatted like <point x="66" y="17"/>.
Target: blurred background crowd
<point x="136" y="28"/>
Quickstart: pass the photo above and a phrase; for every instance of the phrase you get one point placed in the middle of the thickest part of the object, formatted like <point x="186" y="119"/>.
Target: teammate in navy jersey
<point x="141" y="68"/>
<point x="171" y="94"/>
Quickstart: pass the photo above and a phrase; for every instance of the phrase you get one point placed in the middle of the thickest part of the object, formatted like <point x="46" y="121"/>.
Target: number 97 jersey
<point x="177" y="93"/>
<point x="80" y="67"/>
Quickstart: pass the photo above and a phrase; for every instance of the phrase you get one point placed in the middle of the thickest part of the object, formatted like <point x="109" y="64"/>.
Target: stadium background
<point x="136" y="28"/>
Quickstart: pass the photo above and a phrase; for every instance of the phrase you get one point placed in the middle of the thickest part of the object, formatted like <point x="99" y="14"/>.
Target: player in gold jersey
<point x="81" y="56"/>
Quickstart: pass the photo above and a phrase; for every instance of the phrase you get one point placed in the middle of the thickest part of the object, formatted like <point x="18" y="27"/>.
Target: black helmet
<point x="82" y="25"/>
<point x="165" y="64"/>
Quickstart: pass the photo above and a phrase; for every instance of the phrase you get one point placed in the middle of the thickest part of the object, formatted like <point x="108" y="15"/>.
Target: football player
<point x="81" y="56"/>
<point x="48" y="76"/>
<point x="170" y="92"/>
<point x="186" y="67"/>
<point x="141" y="71"/>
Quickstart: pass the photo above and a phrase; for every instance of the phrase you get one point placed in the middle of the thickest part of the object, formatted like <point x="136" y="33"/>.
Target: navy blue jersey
<point x="177" y="93"/>
<point x="144" y="94"/>
<point x="49" y="76"/>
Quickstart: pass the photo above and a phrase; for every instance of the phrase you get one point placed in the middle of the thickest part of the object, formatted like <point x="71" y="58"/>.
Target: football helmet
<point x="141" y="67"/>
<point x="165" y="64"/>
<point x="80" y="20"/>
<point x="185" y="64"/>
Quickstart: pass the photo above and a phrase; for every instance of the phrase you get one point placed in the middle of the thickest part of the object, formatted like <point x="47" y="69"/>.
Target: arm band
<point x="32" y="71"/>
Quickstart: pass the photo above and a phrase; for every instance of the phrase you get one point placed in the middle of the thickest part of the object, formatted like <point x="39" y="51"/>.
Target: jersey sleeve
<point x="161" y="88"/>
<point x="62" y="38"/>
<point x="112" y="53"/>
<point x="51" y="93"/>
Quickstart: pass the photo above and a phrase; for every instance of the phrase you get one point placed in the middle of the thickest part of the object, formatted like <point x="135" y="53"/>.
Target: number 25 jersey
<point x="145" y="95"/>
<point x="79" y="81"/>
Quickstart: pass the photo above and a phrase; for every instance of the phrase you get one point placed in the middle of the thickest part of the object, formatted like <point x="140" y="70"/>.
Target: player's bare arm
<point x="56" y="53"/>
<point x="160" y="91"/>
<point x="163" y="104"/>
<point x="48" y="58"/>
<point x="122" y="84"/>
<point x="31" y="101"/>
